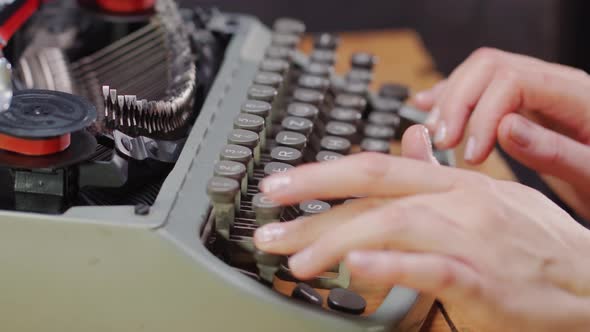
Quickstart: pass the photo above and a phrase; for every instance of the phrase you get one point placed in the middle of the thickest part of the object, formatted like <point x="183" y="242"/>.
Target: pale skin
<point x="503" y="253"/>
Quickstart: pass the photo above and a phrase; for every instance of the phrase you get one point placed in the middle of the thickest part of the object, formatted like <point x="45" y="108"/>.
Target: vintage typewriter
<point x="133" y="138"/>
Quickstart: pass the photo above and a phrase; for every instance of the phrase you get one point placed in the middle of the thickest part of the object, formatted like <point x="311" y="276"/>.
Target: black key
<point x="291" y="139"/>
<point x="375" y="145"/>
<point x="379" y="132"/>
<point x="268" y="78"/>
<point x="308" y="96"/>
<point x="360" y="76"/>
<point x="307" y="294"/>
<point x="285" y="40"/>
<point x="363" y="60"/>
<point x="266" y="210"/>
<point x="355" y="88"/>
<point x="318" y="69"/>
<point x="299" y="125"/>
<point x="313" y="82"/>
<point x="248" y="139"/>
<point x="286" y="155"/>
<point x="394" y="91"/>
<point x="262" y="93"/>
<point x="279" y="53"/>
<point x="236" y="153"/>
<point x="336" y="144"/>
<point x="326" y="57"/>
<point x="346" y="301"/>
<point x="351" y="101"/>
<point x="303" y="110"/>
<point x="268" y="265"/>
<point x="340" y="129"/>
<point x="309" y="208"/>
<point x="276" y="167"/>
<point x="289" y="25"/>
<point x="347" y="115"/>
<point x="249" y="122"/>
<point x="327" y="156"/>
<point x="386" y="105"/>
<point x="388" y="119"/>
<point x="274" y="65"/>
<point x="257" y="107"/>
<point x="223" y="193"/>
<point x="326" y="41"/>
<point x="233" y="170"/>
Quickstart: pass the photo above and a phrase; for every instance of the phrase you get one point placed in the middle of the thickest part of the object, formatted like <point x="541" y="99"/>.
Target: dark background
<point x="553" y="30"/>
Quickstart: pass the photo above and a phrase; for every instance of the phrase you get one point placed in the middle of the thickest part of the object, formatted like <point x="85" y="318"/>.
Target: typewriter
<point x="132" y="140"/>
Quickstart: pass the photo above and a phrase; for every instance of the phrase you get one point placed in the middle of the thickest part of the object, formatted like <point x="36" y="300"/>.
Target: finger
<point x="398" y="226"/>
<point x="416" y="144"/>
<point x="425" y="100"/>
<point x="544" y="150"/>
<point x="440" y="276"/>
<point x="365" y="174"/>
<point x="285" y="238"/>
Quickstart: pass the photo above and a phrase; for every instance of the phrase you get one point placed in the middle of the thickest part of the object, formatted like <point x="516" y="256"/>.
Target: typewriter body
<point x="129" y="159"/>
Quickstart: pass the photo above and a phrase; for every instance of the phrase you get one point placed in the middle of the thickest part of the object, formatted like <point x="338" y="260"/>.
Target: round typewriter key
<point x="313" y="82"/>
<point x="248" y="139"/>
<point x="286" y="155"/>
<point x="291" y="139"/>
<point x="256" y="107"/>
<point x="249" y="122"/>
<point x="336" y="144"/>
<point x="299" y="125"/>
<point x="356" y="88"/>
<point x="394" y="91"/>
<point x="326" y="41"/>
<point x="346" y="301"/>
<point x="307" y="294"/>
<point x="309" y="208"/>
<point x="268" y="78"/>
<point x="351" y="101"/>
<point x="375" y="145"/>
<point x="385" y="119"/>
<point x="379" y="132"/>
<point x="386" y="105"/>
<point x="327" y="156"/>
<point x="236" y="153"/>
<point x="232" y="170"/>
<point x="326" y="57"/>
<point x="274" y="66"/>
<point x="289" y="25"/>
<point x="276" y="167"/>
<point x="279" y="53"/>
<point x="223" y="190"/>
<point x="318" y="69"/>
<point x="347" y="115"/>
<point x="285" y="40"/>
<point x="268" y="265"/>
<point x="308" y="96"/>
<point x="359" y="75"/>
<point x="303" y="110"/>
<point x="266" y="210"/>
<point x="363" y="60"/>
<point x="262" y="93"/>
<point x="340" y="129"/>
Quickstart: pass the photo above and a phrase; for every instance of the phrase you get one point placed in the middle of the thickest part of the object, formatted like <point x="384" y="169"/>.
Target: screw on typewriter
<point x="46" y="148"/>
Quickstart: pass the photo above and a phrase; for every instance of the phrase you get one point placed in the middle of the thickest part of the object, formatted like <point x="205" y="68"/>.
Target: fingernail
<point x="441" y="132"/>
<point x="275" y="183"/>
<point x="300" y="261"/>
<point x="470" y="148"/>
<point x="432" y="118"/>
<point x="427" y="140"/>
<point x="425" y="96"/>
<point x="270" y="233"/>
<point x="520" y="133"/>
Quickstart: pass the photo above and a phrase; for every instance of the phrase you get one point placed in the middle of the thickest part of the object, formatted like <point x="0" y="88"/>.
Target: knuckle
<point x="394" y="219"/>
<point x="509" y="76"/>
<point x="374" y="165"/>
<point x="486" y="55"/>
<point x="447" y="277"/>
<point x="554" y="150"/>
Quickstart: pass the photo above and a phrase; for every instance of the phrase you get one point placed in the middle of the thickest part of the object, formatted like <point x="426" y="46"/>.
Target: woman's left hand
<point x="504" y="253"/>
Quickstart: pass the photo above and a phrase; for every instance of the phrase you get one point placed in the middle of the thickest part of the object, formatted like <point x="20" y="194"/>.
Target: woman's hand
<point x="505" y="254"/>
<point x="485" y="99"/>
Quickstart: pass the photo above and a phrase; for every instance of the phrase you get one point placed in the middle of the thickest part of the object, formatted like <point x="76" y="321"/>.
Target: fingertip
<point x="424" y="100"/>
<point x="416" y="143"/>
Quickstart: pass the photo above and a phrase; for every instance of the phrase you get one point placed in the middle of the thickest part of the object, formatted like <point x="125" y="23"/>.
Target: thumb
<point x="543" y="150"/>
<point x="416" y="144"/>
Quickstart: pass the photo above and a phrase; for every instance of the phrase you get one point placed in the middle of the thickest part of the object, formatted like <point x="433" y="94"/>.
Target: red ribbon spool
<point x="126" y="6"/>
<point x="29" y="147"/>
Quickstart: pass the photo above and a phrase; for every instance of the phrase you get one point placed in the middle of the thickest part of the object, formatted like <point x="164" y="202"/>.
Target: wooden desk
<point x="403" y="59"/>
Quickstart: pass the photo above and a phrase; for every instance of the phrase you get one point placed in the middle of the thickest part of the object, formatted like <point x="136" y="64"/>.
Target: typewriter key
<point x="355" y="88"/>
<point x="289" y="25"/>
<point x="253" y="123"/>
<point x="309" y="208"/>
<point x="248" y="139"/>
<point x="347" y="115"/>
<point x="239" y="154"/>
<point x="341" y="129"/>
<point x="327" y="156"/>
<point x="360" y="76"/>
<point x="326" y="57"/>
<point x="266" y="210"/>
<point x="299" y="125"/>
<point x="262" y="93"/>
<point x="303" y="110"/>
<point x="307" y="294"/>
<point x="268" y="265"/>
<point x="291" y="140"/>
<point x="286" y="155"/>
<point x="318" y="69"/>
<point x="379" y="132"/>
<point x="326" y="41"/>
<point x="276" y="167"/>
<point x="363" y="60"/>
<point x="346" y="301"/>
<point x="351" y="101"/>
<point x="313" y="82"/>
<point x="233" y="170"/>
<point x="308" y="96"/>
<point x="335" y="144"/>
<point x="375" y="145"/>
<point x="274" y="65"/>
<point x="386" y="105"/>
<point x="385" y="119"/>
<point x="269" y="79"/>
<point x="223" y="193"/>
<point x="256" y="107"/>
<point x="394" y="91"/>
<point x="285" y="40"/>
